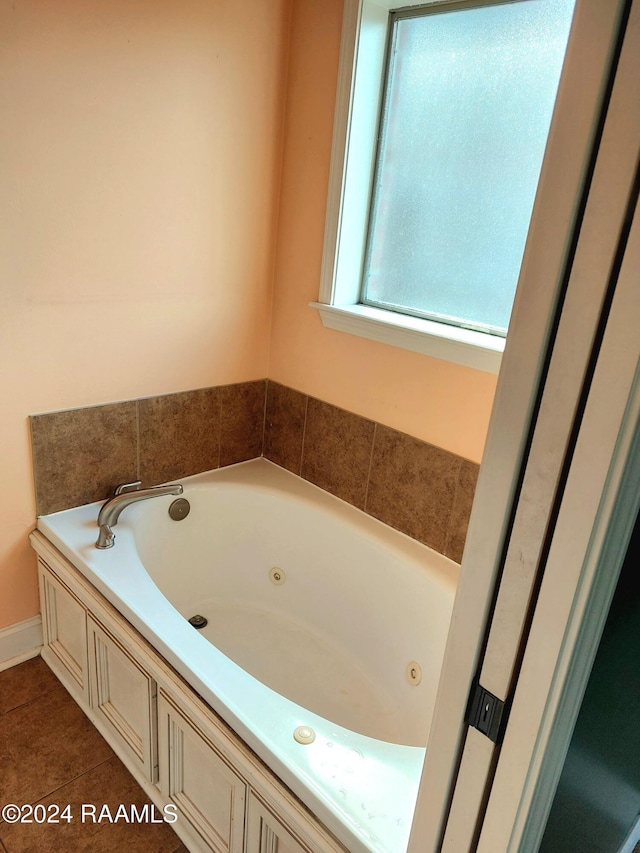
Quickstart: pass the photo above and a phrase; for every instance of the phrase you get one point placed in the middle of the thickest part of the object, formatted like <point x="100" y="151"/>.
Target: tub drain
<point x="198" y="621"/>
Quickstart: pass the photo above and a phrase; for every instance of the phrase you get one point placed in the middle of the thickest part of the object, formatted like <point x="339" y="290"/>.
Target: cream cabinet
<point x="194" y="776"/>
<point x="179" y="751"/>
<point x="123" y="695"/>
<point x="64" y="623"/>
<point x="267" y="834"/>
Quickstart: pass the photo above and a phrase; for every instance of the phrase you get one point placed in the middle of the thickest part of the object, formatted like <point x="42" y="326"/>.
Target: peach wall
<point x="439" y="402"/>
<point x="141" y="146"/>
<point x="140" y="150"/>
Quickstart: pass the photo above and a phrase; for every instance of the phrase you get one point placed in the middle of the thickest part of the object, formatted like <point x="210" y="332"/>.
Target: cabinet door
<point x="64" y="623"/>
<point x="194" y="776"/>
<point x="267" y="834"/>
<point x="123" y="695"/>
<point x="290" y="832"/>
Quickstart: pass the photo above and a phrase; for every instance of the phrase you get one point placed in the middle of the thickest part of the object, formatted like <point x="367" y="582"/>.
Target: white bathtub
<point x="361" y="612"/>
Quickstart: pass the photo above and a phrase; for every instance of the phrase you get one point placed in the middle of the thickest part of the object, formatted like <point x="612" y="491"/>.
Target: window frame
<point x="361" y="79"/>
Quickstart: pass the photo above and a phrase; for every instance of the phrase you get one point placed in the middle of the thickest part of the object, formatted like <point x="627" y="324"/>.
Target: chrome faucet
<point x="124" y="495"/>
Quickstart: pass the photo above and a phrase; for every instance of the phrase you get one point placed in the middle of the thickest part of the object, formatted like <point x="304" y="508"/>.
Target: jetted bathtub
<point x="318" y="616"/>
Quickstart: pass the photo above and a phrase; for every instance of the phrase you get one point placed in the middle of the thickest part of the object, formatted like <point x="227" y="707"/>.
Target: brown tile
<point x="412" y="486"/>
<point x="179" y="435"/>
<point x="24" y="682"/>
<point x="461" y="510"/>
<point x="111" y="785"/>
<point x="337" y="451"/>
<point x="81" y="454"/>
<point x="284" y="426"/>
<point x="241" y="421"/>
<point x="43" y="745"/>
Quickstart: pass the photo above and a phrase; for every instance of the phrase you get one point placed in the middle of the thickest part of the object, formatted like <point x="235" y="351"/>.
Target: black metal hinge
<point x="487" y="713"/>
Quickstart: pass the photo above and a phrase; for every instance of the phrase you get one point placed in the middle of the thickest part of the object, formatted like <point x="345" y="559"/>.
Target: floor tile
<point x="20" y="684"/>
<point x="110" y="785"/>
<point x="51" y="755"/>
<point x="44" y="744"/>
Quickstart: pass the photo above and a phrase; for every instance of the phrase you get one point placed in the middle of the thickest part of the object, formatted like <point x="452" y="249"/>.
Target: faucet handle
<point x="123" y="488"/>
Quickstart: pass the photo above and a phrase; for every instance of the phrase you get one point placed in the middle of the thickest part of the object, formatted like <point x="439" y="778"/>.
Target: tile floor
<point x="51" y="754"/>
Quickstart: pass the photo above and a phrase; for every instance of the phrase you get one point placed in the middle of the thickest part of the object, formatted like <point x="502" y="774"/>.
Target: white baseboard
<point x="20" y="642"/>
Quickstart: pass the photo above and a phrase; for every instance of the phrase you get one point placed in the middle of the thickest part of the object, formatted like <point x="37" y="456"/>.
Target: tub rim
<point x="386" y="799"/>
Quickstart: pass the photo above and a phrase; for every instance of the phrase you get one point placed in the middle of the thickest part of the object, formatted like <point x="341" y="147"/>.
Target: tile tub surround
<point x="422" y="490"/>
<point x="79" y="455"/>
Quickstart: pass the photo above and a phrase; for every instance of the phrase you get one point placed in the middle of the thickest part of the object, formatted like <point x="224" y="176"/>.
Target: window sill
<point x="461" y="346"/>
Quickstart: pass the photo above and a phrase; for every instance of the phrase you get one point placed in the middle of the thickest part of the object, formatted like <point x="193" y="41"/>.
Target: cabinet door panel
<point x="65" y="632"/>
<point x="124" y="696"/>
<point x="196" y="778"/>
<point x="267" y="834"/>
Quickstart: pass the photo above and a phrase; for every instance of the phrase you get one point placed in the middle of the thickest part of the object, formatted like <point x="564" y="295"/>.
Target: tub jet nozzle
<point x="198" y="621"/>
<point x="304" y="734"/>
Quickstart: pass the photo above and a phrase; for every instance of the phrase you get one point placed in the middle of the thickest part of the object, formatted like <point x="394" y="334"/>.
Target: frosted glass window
<point x="468" y="103"/>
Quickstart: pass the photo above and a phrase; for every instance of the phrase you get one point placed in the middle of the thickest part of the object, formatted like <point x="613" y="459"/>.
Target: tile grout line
<point x="138" y="472"/>
<point x="33" y="699"/>
<point x="28" y="702"/>
<point x="220" y="390"/>
<point x="447" y="535"/>
<point x="264" y="415"/>
<point x="373" y="444"/>
<point x="304" y="432"/>
<point x="75" y="778"/>
<point x="68" y="781"/>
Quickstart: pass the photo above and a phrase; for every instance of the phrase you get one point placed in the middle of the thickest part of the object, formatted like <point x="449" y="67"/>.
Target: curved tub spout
<point x="124" y="496"/>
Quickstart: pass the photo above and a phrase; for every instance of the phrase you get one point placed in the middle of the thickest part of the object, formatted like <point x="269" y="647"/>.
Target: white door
<point x="586" y="548"/>
<point x="555" y="359"/>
